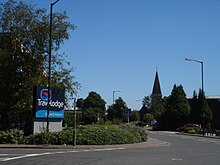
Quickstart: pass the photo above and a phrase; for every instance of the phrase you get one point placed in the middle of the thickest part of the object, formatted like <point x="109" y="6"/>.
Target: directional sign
<point x="128" y="111"/>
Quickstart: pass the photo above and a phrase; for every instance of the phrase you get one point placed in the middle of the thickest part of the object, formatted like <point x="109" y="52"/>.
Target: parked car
<point x="156" y="127"/>
<point x="182" y="128"/>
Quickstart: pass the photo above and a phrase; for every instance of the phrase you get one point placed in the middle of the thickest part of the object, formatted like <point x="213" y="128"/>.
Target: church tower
<point x="156" y="88"/>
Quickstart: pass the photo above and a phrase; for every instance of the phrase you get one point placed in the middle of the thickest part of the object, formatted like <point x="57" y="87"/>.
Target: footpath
<point x="199" y="135"/>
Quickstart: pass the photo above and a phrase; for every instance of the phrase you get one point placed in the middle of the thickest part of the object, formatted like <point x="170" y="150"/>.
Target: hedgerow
<point x="86" y="135"/>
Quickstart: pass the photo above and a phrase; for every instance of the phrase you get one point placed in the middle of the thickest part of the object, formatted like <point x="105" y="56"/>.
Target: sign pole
<point x="74" y="131"/>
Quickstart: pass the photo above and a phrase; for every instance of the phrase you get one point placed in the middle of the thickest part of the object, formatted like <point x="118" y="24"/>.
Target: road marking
<point x="52" y="153"/>
<point x="176" y="159"/>
<point x="9" y="154"/>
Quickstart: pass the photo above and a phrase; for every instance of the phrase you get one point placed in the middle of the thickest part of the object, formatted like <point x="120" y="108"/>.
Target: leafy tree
<point x="157" y="106"/>
<point x="152" y="105"/>
<point x="198" y="103"/>
<point x="177" y="109"/>
<point x="144" y="110"/>
<point x="117" y="110"/>
<point x="148" y="117"/>
<point x="93" y="108"/>
<point x="147" y="102"/>
<point x="134" y="116"/>
<point x="195" y="114"/>
<point x="69" y="119"/>
<point x="203" y="106"/>
<point x="23" y="59"/>
<point x="146" y="107"/>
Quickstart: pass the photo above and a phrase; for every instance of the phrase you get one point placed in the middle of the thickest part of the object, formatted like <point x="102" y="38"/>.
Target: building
<point x="156" y="88"/>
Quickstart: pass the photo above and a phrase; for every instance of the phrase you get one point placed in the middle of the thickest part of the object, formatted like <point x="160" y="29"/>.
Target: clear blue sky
<point x="119" y="43"/>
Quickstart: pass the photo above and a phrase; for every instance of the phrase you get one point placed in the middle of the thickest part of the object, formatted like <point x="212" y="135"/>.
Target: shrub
<point x="12" y="136"/>
<point x="139" y="133"/>
<point x="86" y="135"/>
<point x="111" y="134"/>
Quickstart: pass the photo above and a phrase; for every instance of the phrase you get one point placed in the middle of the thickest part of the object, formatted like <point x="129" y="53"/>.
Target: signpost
<point x="128" y="112"/>
<point x="56" y="103"/>
<point x="56" y="100"/>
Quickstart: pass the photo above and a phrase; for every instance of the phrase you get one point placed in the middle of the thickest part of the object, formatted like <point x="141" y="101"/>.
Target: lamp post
<point x="114" y="95"/>
<point x="203" y="122"/>
<point x="49" y="75"/>
<point x="74" y="135"/>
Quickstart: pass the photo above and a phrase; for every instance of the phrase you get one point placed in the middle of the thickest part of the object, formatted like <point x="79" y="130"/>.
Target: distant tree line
<point x="170" y="112"/>
<point x="176" y="110"/>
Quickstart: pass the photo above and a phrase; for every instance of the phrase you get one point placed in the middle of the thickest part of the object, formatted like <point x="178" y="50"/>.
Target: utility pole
<point x="49" y="75"/>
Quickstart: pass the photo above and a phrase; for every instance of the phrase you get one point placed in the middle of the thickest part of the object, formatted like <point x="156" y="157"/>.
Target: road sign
<point x="128" y="111"/>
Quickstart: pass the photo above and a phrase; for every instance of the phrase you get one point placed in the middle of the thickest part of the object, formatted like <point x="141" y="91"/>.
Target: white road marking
<point x="176" y="159"/>
<point x="52" y="153"/>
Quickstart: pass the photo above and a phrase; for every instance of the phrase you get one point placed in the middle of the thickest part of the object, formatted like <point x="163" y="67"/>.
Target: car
<point x="156" y="127"/>
<point x="182" y="128"/>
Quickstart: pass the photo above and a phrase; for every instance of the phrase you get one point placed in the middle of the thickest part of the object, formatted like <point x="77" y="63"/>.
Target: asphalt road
<point x="170" y="149"/>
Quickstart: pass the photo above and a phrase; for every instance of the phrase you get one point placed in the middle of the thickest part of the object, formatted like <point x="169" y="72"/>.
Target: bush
<point x="86" y="135"/>
<point x="111" y="134"/>
<point x="12" y="136"/>
<point x="63" y="137"/>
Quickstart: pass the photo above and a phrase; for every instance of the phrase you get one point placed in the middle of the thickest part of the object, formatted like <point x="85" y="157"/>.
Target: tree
<point x="177" y="109"/>
<point x="157" y="107"/>
<point x="148" y="117"/>
<point x="195" y="114"/>
<point x="134" y="116"/>
<point x="147" y="102"/>
<point x="153" y="105"/>
<point x="93" y="108"/>
<point x="204" y="107"/>
<point x="198" y="104"/>
<point x="23" y="59"/>
<point x="117" y="110"/>
<point x="144" y="110"/>
<point x="146" y="107"/>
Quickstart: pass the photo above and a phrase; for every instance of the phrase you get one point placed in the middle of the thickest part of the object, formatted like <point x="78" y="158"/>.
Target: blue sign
<point x="56" y="102"/>
<point x="128" y="111"/>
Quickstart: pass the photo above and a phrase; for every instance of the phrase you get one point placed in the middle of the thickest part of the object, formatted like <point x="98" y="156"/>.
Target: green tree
<point x="157" y="106"/>
<point x="146" y="107"/>
<point x="204" y="107"/>
<point x="148" y="117"/>
<point x="152" y="105"/>
<point x="177" y="109"/>
<point x="23" y="59"/>
<point x="147" y="102"/>
<point x="144" y="110"/>
<point x="134" y="116"/>
<point x="93" y="108"/>
<point x="69" y="119"/>
<point x="117" y="110"/>
<point x="195" y="114"/>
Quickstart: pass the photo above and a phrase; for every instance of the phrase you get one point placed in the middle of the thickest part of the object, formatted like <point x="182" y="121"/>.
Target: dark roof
<point x="156" y="87"/>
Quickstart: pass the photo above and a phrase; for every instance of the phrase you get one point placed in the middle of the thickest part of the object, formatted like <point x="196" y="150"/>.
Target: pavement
<point x="199" y="135"/>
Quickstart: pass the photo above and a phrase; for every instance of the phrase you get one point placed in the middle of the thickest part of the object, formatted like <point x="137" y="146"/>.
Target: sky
<point x="119" y="45"/>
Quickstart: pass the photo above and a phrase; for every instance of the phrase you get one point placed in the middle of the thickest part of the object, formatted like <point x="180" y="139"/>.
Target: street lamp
<point x="114" y="95"/>
<point x="201" y="62"/>
<point x="49" y="75"/>
<point x="74" y="136"/>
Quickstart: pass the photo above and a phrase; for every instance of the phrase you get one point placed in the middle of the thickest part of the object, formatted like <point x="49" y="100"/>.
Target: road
<point x="179" y="149"/>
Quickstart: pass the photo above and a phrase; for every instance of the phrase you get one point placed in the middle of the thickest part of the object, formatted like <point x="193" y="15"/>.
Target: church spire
<point x="156" y="88"/>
